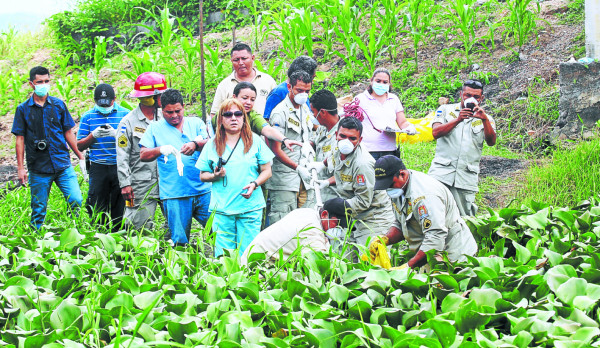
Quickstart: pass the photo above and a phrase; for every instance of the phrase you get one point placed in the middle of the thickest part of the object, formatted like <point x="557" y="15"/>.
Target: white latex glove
<point x="319" y="166"/>
<point x="83" y="170"/>
<point x="111" y="131"/>
<point x="179" y="163"/>
<point x="410" y="130"/>
<point x="307" y="151"/>
<point x="304" y="173"/>
<point x="100" y="132"/>
<point x="322" y="183"/>
<point x="167" y="150"/>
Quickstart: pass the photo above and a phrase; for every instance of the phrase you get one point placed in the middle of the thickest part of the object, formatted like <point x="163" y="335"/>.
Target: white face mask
<point x="335" y="233"/>
<point x="346" y="147"/>
<point x="314" y="120"/>
<point x="301" y="98"/>
<point x="471" y="100"/>
<point x="380" y="88"/>
<point x="395" y="192"/>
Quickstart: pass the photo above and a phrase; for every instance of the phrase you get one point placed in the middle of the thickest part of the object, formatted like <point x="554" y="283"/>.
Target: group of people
<point x="332" y="180"/>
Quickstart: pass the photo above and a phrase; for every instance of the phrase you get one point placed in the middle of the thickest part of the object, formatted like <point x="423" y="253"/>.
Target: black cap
<point x="385" y="169"/>
<point x="104" y="94"/>
<point x="340" y="209"/>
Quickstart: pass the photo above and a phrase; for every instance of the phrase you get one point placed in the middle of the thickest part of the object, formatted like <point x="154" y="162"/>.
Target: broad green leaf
<point x="538" y="220"/>
<point x="70" y="238"/>
<point x="178" y="331"/>
<point x="485" y="297"/>
<point x="557" y="275"/>
<point x="65" y="316"/>
<point x="523" y="254"/>
<point x="338" y="293"/>
<point x="123" y="299"/>
<point x="570" y="289"/>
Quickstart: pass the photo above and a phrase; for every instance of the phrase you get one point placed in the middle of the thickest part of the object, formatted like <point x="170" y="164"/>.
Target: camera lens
<point x="41" y="145"/>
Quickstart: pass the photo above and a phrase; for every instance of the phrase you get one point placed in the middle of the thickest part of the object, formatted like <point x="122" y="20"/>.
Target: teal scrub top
<point x="240" y="170"/>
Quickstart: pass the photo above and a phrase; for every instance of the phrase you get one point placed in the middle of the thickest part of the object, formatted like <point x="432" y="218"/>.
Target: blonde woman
<point x="237" y="162"/>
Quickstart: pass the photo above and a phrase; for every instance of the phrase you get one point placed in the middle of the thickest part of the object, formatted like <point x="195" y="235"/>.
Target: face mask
<point x="395" y="192"/>
<point x="346" y="147"/>
<point x="301" y="98"/>
<point x="470" y="101"/>
<point x="335" y="233"/>
<point x="104" y="110"/>
<point x="42" y="90"/>
<point x="380" y="88"/>
<point x="147" y="101"/>
<point x="314" y="120"/>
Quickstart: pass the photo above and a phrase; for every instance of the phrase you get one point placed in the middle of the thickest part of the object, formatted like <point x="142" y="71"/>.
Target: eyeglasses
<point x="473" y="83"/>
<point x="229" y="114"/>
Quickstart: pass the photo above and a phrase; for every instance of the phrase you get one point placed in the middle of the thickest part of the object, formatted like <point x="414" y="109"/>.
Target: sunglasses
<point x="229" y="114"/>
<point x="473" y="83"/>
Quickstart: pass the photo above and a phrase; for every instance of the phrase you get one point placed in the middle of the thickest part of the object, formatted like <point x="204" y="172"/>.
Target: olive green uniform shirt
<point x="325" y="143"/>
<point x="457" y="154"/>
<point x="429" y="219"/>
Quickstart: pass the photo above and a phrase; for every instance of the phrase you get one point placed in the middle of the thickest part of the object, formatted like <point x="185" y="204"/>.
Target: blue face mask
<point x="380" y="88"/>
<point x="395" y="192"/>
<point x="104" y="110"/>
<point x="42" y="90"/>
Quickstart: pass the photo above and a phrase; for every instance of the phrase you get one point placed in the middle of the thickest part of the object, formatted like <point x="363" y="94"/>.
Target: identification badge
<point x="360" y="180"/>
<point x="122" y="140"/>
<point x="139" y="129"/>
<point x="422" y="212"/>
<point x="426" y="224"/>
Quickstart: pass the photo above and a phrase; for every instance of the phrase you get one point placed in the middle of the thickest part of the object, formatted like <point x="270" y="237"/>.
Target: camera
<point x="471" y="106"/>
<point x="104" y="126"/>
<point x="40" y="145"/>
<point x="219" y="164"/>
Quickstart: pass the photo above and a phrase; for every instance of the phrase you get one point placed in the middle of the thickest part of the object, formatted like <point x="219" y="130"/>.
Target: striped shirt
<point x="103" y="150"/>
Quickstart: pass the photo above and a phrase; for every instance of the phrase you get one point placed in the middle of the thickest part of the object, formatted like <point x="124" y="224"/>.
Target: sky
<point x="27" y="15"/>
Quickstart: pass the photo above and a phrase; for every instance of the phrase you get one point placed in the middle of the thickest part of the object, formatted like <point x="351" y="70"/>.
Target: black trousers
<point x="104" y="196"/>
<point x="377" y="154"/>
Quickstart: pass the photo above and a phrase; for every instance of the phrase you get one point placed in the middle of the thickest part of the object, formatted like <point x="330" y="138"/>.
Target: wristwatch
<point x="255" y="184"/>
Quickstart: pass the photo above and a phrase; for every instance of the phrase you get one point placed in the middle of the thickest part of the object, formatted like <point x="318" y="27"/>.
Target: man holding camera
<point x="97" y="131"/>
<point x="460" y="130"/>
<point x="43" y="127"/>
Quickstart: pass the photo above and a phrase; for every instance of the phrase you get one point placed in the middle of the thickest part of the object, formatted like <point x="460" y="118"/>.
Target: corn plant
<point x="328" y="13"/>
<point x="67" y="86"/>
<point x="17" y="93"/>
<point x="276" y="70"/>
<point x="372" y="44"/>
<point x="280" y="28"/>
<point x="463" y="14"/>
<point x="419" y="19"/>
<point x="390" y="17"/>
<point x="6" y="40"/>
<point x="348" y="27"/>
<point x="100" y="60"/>
<point x="191" y="57"/>
<point x="521" y="21"/>
<point x="165" y="34"/>
<point x="254" y="7"/>
<point x="145" y="62"/>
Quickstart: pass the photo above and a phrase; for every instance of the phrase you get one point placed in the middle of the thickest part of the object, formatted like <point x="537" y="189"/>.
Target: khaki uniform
<point x="457" y="155"/>
<point x="142" y="176"/>
<point x="302" y="227"/>
<point x="285" y="183"/>
<point x="355" y="182"/>
<point x="429" y="219"/>
<point x="262" y="81"/>
<point x="325" y="143"/>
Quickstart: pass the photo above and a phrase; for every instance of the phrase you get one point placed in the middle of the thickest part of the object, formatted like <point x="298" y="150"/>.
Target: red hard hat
<point x="148" y="84"/>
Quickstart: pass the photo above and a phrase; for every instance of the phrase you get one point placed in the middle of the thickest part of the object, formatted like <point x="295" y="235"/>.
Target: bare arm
<point x="488" y="130"/>
<point x="20" y="147"/>
<point x="279" y="153"/>
<point x="401" y="120"/>
<point x="86" y="142"/>
<point x="275" y="135"/>
<point x="265" y="174"/>
<point x="211" y="177"/>
<point x="442" y="129"/>
<point x="394" y="235"/>
<point x="72" y="141"/>
<point x="149" y="155"/>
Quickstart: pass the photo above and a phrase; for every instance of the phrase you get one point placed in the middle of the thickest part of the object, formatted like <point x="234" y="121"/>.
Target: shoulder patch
<point x="422" y="211"/>
<point x="439" y="112"/>
<point x="360" y="180"/>
<point x="122" y="140"/>
<point x="139" y="129"/>
<point x="426" y="224"/>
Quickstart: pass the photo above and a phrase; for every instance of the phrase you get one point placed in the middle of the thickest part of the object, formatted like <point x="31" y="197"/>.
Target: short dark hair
<point x="324" y="99"/>
<point x="473" y="83"/>
<point x="37" y="70"/>
<point x="243" y="85"/>
<point x="240" y="46"/>
<point x="171" y="97"/>
<point x="300" y="75"/>
<point x="304" y="63"/>
<point x="351" y="123"/>
<point x="377" y="71"/>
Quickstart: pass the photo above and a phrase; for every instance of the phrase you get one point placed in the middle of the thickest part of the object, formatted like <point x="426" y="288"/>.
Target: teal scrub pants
<point x="236" y="230"/>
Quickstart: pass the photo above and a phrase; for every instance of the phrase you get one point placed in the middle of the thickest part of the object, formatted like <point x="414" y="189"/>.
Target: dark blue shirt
<point x="277" y="95"/>
<point x="55" y="120"/>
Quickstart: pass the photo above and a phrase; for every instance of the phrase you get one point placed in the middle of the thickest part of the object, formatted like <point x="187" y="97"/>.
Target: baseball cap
<point x="385" y="169"/>
<point x="104" y="94"/>
<point x="340" y="209"/>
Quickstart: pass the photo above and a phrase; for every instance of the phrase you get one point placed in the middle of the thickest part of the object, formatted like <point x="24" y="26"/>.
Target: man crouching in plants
<point x="176" y="142"/>
<point x="426" y="214"/>
<point x="302" y="228"/>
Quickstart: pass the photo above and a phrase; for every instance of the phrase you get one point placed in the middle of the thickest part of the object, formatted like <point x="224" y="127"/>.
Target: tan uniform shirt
<point x="300" y="227"/>
<point x="325" y="143"/>
<point x="294" y="124"/>
<point x="355" y="182"/>
<point x="141" y="176"/>
<point x="457" y="154"/>
<point x="429" y="219"/>
<point x="262" y="81"/>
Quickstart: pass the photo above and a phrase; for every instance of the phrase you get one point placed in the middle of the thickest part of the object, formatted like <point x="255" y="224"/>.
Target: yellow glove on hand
<point x="374" y="246"/>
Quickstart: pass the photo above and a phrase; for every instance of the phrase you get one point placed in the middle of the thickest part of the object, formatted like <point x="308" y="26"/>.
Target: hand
<point x="110" y="131"/>
<point x="22" y="173"/>
<point x="418" y="260"/>
<point x="219" y="172"/>
<point x="100" y="132"/>
<point x="319" y="166"/>
<point x="465" y="114"/>
<point x="308" y="151"/>
<point x="167" y="150"/>
<point x="374" y="246"/>
<point x="410" y="130"/>
<point x="83" y="169"/>
<point x="304" y="173"/>
<point x="127" y="193"/>
<point x="479" y="113"/>
<point x="249" y="189"/>
<point x="289" y="143"/>
<point x="189" y="148"/>
<point x="322" y="183"/>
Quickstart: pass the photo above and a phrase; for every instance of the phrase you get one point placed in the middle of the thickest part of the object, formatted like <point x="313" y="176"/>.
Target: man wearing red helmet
<point x="139" y="180"/>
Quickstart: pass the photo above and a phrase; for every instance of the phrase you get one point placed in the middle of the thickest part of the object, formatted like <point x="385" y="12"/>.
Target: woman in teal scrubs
<point x="237" y="162"/>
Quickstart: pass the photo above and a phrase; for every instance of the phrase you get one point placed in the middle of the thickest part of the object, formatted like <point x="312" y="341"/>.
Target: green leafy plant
<point x="67" y="86"/>
<point x="464" y="15"/>
<point x="419" y="19"/>
<point x="521" y="22"/>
